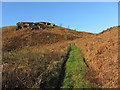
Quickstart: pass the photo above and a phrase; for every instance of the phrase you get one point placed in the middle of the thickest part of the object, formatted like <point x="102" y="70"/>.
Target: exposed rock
<point x="34" y="26"/>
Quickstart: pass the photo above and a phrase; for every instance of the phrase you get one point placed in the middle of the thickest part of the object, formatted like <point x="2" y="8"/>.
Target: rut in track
<point x="62" y="72"/>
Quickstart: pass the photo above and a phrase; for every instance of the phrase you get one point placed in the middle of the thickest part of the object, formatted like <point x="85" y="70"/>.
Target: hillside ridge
<point x="31" y="56"/>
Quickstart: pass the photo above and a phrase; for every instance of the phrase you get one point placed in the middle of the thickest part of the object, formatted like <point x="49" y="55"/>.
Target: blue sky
<point x="82" y="16"/>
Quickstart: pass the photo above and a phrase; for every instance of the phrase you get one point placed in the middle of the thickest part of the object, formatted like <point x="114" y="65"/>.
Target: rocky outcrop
<point x="34" y="26"/>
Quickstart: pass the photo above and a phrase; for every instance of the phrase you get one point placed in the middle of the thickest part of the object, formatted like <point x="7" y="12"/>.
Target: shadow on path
<point x="62" y="72"/>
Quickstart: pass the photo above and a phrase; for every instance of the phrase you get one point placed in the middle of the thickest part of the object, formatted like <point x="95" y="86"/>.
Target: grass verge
<point x="75" y="70"/>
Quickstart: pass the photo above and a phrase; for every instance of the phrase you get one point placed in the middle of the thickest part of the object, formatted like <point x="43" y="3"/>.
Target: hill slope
<point x="30" y="56"/>
<point x="25" y="37"/>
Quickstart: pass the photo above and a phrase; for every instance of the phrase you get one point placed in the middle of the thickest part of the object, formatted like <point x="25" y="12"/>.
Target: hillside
<point x="34" y="58"/>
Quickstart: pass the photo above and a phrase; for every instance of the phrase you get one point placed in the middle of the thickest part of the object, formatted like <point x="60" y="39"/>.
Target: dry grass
<point x="28" y="54"/>
<point x="28" y="65"/>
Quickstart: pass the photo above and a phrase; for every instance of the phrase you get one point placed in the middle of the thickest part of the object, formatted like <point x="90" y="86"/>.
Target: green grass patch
<point x="75" y="70"/>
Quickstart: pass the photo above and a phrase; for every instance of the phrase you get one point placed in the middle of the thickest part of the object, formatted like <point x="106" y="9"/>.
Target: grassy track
<point x="75" y="70"/>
